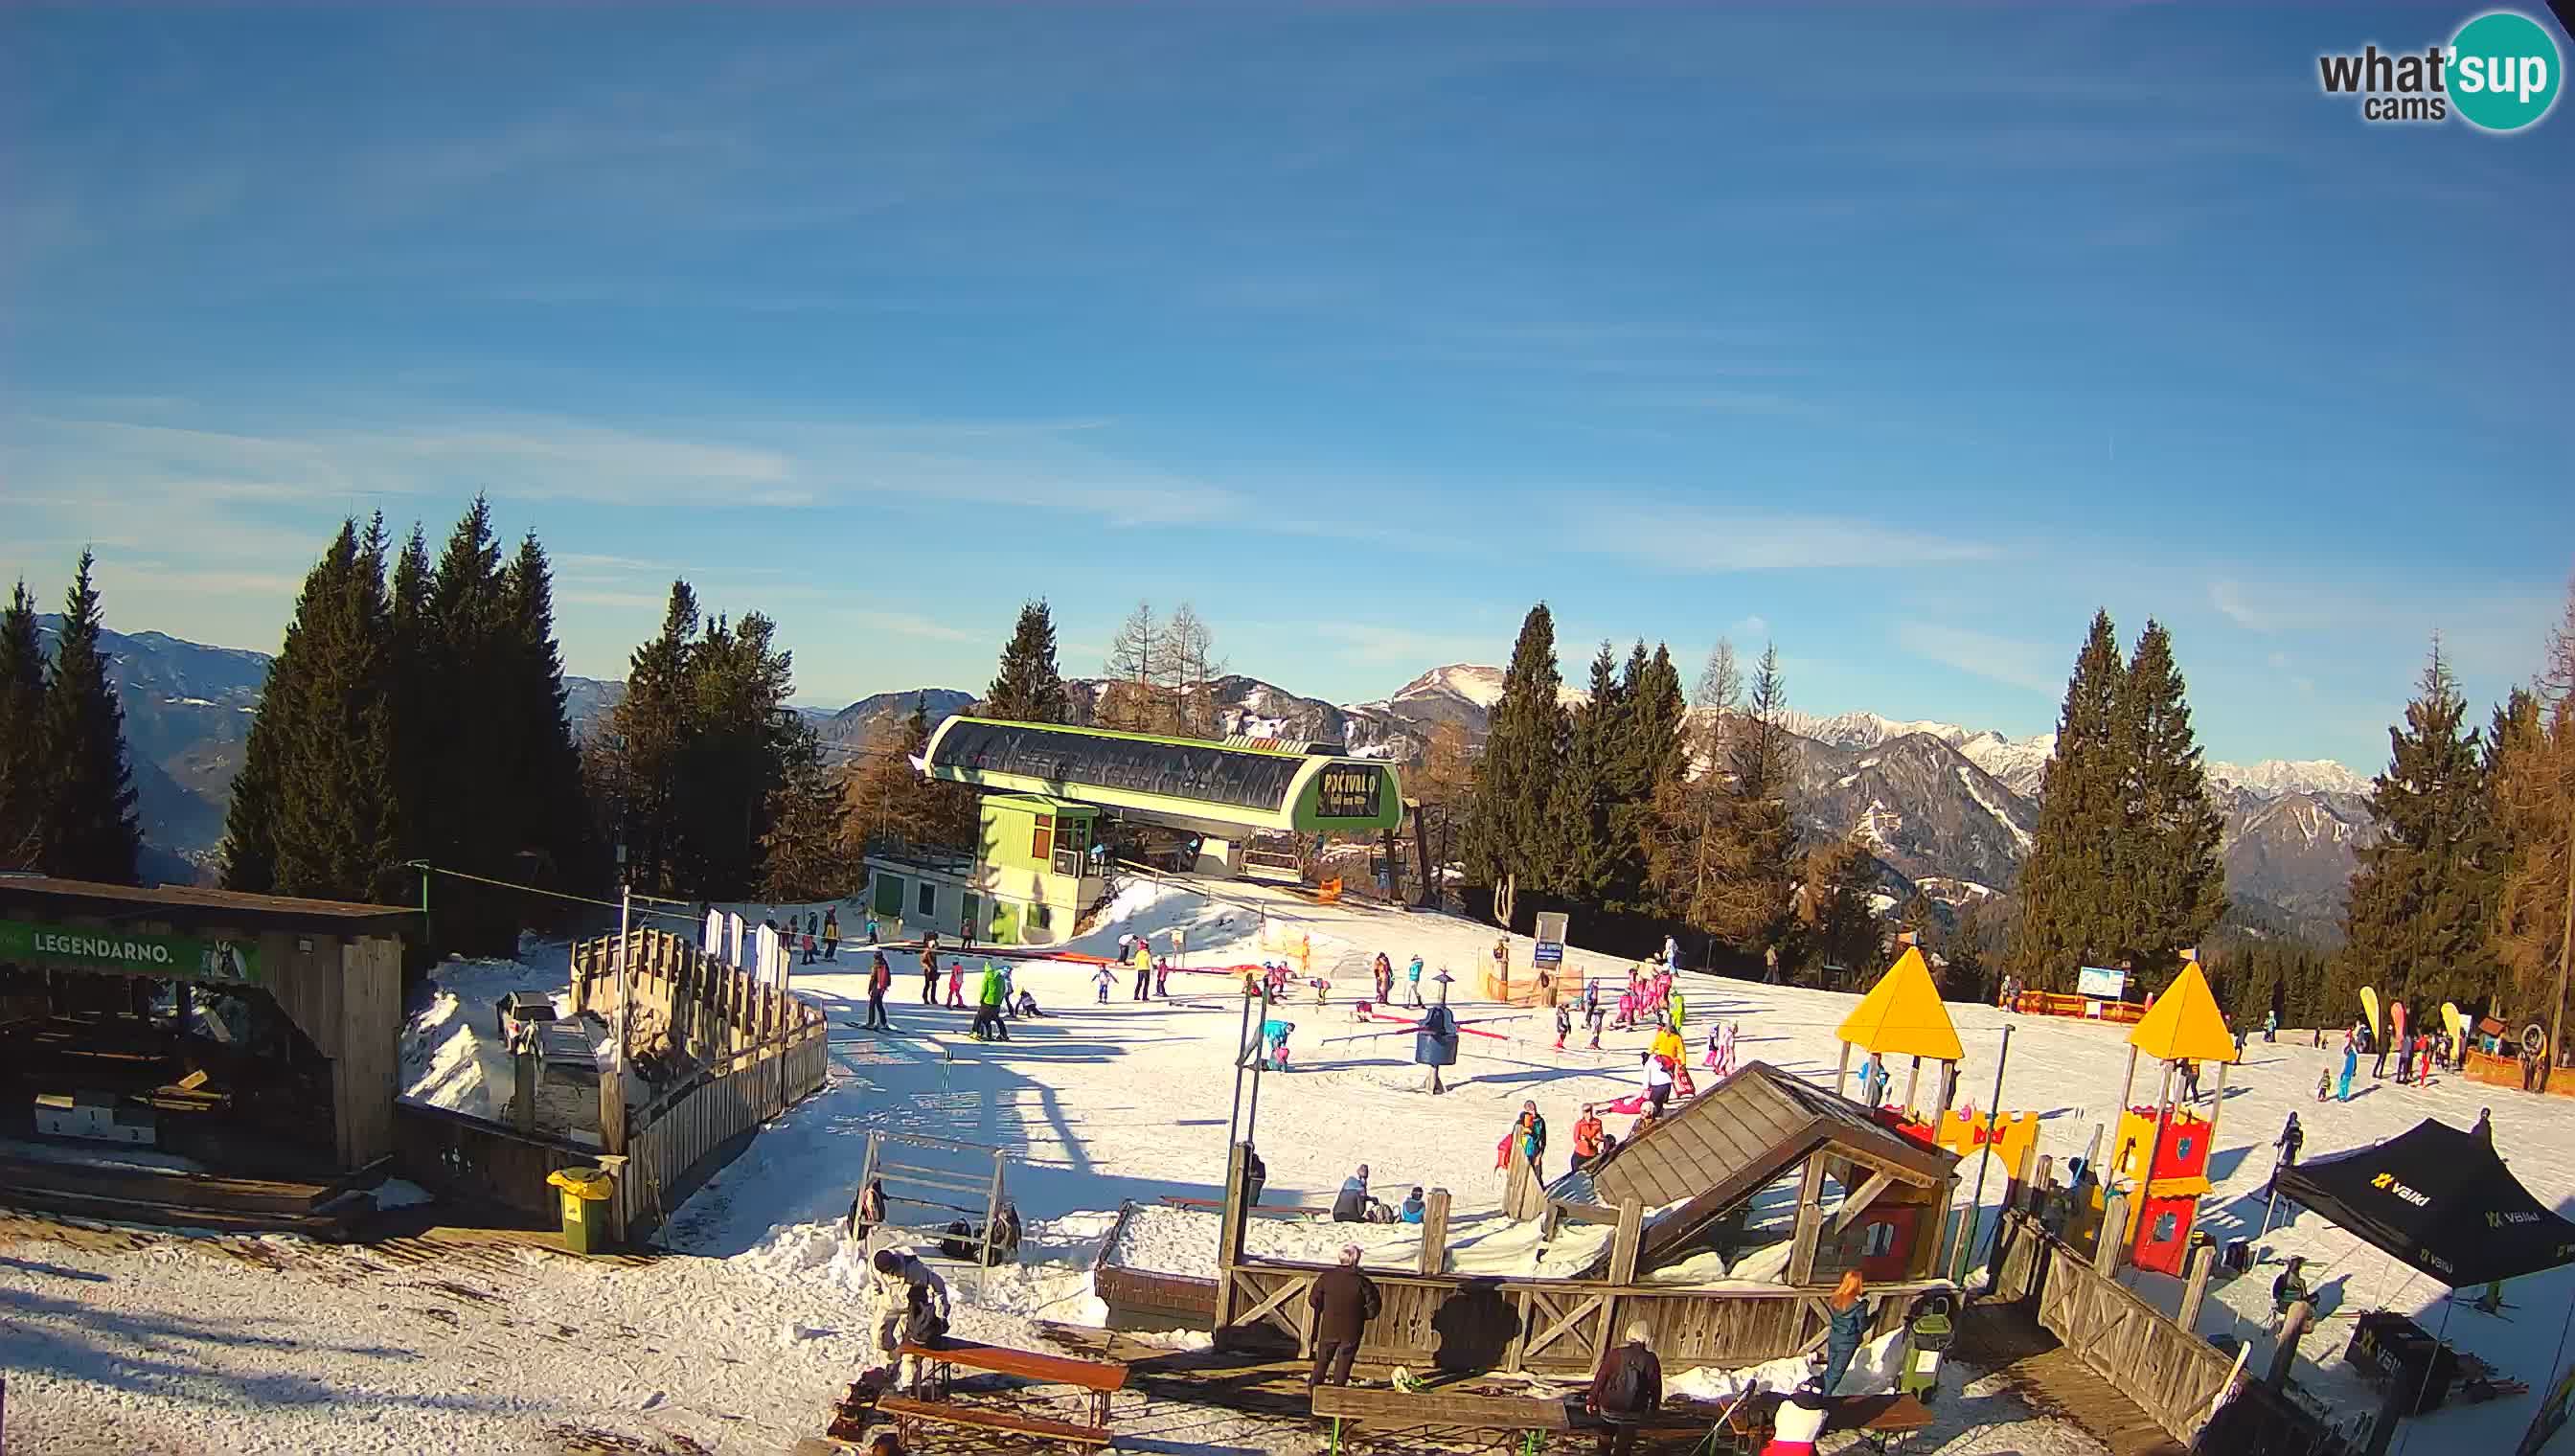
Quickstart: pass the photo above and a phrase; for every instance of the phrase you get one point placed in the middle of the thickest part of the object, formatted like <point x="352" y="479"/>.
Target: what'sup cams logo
<point x="2500" y="73"/>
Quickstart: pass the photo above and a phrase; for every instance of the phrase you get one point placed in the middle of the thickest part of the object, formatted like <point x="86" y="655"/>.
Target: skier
<point x="911" y="1308"/>
<point x="1659" y="1085"/>
<point x="871" y="928"/>
<point x="1681" y="1008"/>
<point x="2350" y="1064"/>
<point x="1594" y="1014"/>
<point x="929" y="976"/>
<point x="2270" y="1026"/>
<point x="956" y="985"/>
<point x="1163" y="979"/>
<point x="880" y="976"/>
<point x="1413" y="976"/>
<point x="1671" y="953"/>
<point x="1028" y="1006"/>
<point x="831" y="934"/>
<point x="1144" y="971"/>
<point x="1009" y="1002"/>
<point x="987" y="1007"/>
<point x="2291" y="1138"/>
<point x="1103" y="980"/>
<point x="809" y="957"/>
<point x="1563" y="1025"/>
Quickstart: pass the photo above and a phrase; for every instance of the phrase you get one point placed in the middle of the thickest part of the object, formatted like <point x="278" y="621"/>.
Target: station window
<point x="928" y="898"/>
<point x="1041" y="843"/>
<point x="1877" y="1239"/>
<point x="1043" y="916"/>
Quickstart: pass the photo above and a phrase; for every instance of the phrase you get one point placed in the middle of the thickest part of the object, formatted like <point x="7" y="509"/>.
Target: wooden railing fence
<point x="2172" y="1374"/>
<point x="761" y="1051"/>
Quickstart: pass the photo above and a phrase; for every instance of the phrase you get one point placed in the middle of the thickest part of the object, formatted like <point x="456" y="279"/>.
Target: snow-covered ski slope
<point x="740" y="1338"/>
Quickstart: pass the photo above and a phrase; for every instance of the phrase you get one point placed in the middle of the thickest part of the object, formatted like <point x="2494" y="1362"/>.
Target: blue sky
<point x="1902" y="337"/>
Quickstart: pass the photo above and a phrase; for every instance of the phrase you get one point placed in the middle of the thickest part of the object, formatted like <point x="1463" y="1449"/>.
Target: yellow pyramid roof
<point x="1902" y="1016"/>
<point x="2186" y="1024"/>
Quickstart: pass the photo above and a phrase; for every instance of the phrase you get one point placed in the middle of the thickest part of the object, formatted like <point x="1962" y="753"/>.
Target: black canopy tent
<point x="2439" y="1200"/>
<point x="2442" y="1201"/>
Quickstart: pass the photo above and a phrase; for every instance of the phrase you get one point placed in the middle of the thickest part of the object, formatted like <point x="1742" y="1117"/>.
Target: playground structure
<point x="2168" y="1155"/>
<point x="1902" y="1016"/>
<point x="950" y="1171"/>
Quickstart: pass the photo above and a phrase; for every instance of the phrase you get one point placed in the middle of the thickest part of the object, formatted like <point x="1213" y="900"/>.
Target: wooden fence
<point x="1469" y="1322"/>
<point x="2171" y="1374"/>
<point x="761" y="1049"/>
<point x="2093" y="1008"/>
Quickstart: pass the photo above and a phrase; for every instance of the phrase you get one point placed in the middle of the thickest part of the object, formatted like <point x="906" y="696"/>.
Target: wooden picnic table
<point x="1528" y="1416"/>
<point x="1100" y="1379"/>
<point x="1884" y="1421"/>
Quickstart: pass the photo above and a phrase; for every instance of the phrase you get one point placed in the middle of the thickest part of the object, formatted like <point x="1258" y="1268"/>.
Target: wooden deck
<point x="1997" y="1337"/>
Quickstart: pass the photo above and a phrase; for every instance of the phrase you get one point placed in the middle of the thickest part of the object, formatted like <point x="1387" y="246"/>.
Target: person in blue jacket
<point x="1412" y="1206"/>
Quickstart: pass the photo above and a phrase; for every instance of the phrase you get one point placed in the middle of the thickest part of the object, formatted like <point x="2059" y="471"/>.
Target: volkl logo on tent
<point x="2500" y="73"/>
<point x="2387" y="1182"/>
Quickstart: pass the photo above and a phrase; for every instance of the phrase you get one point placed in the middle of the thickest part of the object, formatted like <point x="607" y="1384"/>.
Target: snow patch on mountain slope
<point x="2274" y="777"/>
<point x="1976" y="792"/>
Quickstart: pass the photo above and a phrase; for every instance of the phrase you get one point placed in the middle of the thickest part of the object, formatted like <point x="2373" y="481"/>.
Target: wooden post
<point x="1912" y="1081"/>
<point x="2216" y="1110"/>
<point x="1435" y="1232"/>
<point x="2195" y="1285"/>
<point x="1810" y="1222"/>
<point x="2034" y="1192"/>
<point x="611" y="1107"/>
<point x="2127" y="1083"/>
<point x="1949" y="1094"/>
<point x="992" y="1226"/>
<point x="1627" y="1242"/>
<point x="2115" y="1227"/>
<point x="1229" y="1239"/>
<point x="525" y="1069"/>
<point x="2293" y="1325"/>
<point x="1841" y="1072"/>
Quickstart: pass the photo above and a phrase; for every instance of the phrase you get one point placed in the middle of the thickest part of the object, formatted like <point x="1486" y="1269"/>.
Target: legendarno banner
<point x="182" y="957"/>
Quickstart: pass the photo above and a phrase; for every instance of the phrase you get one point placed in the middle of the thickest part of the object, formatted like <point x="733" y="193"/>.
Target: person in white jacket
<point x="911" y="1306"/>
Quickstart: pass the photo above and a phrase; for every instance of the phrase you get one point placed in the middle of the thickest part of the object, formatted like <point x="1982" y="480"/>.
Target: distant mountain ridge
<point x="1945" y="808"/>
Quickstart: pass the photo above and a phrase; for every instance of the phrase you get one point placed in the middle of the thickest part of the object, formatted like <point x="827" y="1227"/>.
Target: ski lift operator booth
<point x="298" y="1013"/>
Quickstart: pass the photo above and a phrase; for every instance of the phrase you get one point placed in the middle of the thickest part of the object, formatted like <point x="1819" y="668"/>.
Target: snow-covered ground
<point x="742" y="1334"/>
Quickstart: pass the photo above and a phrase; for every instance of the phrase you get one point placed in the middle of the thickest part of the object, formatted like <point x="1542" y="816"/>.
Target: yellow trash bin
<point x="586" y="1192"/>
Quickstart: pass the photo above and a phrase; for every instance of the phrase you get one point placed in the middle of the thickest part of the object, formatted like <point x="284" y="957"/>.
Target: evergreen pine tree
<point x="2416" y="921"/>
<point x="332" y="835"/>
<point x="803" y="857"/>
<point x="2533" y="813"/>
<point x="1029" y="688"/>
<point x="1754" y="898"/>
<point x="22" y="702"/>
<point x="465" y="822"/>
<point x="2171" y="885"/>
<point x="2068" y="897"/>
<point x="87" y="829"/>
<point x="544" y="783"/>
<point x="1839" y="933"/>
<point x="1648" y="754"/>
<point x="1969" y="952"/>
<point x="410" y="692"/>
<point x="739" y="683"/>
<point x="1584" y="863"/>
<point x="648" y="735"/>
<point x="1523" y="751"/>
<point x="1921" y="918"/>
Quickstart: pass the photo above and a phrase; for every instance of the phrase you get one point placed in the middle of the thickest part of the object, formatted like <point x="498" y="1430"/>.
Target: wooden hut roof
<point x="191" y="904"/>
<point x="1730" y="1141"/>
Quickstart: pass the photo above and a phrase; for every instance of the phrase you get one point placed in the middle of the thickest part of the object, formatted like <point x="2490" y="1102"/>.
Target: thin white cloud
<point x="1683" y="542"/>
<point x="1369" y="643"/>
<point x="2035" y="666"/>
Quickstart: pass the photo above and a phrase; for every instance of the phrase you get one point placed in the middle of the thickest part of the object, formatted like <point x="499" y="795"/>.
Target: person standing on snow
<point x="910" y="1308"/>
<point x="929" y="976"/>
<point x="1163" y="979"/>
<point x="2271" y="1027"/>
<point x="880" y="978"/>
<point x="2291" y="1138"/>
<point x="1563" y="1025"/>
<point x="1680" y="1010"/>
<point x="1594" y="1014"/>
<point x="1587" y="1136"/>
<point x="1144" y="969"/>
<point x="2350" y="1064"/>
<point x="987" y="1007"/>
<point x="956" y="985"/>
<point x="1412" y="977"/>
<point x="1009" y="1002"/>
<point x="1848" y="1314"/>
<point x="1103" y="980"/>
<point x="831" y="934"/>
<point x="1531" y="1130"/>
<point x="1343" y="1300"/>
<point x="1626" y="1391"/>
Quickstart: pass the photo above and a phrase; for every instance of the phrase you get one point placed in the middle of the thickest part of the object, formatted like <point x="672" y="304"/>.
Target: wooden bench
<point x="1101" y="1379"/>
<point x="1526" y="1416"/>
<point x="908" y="1414"/>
